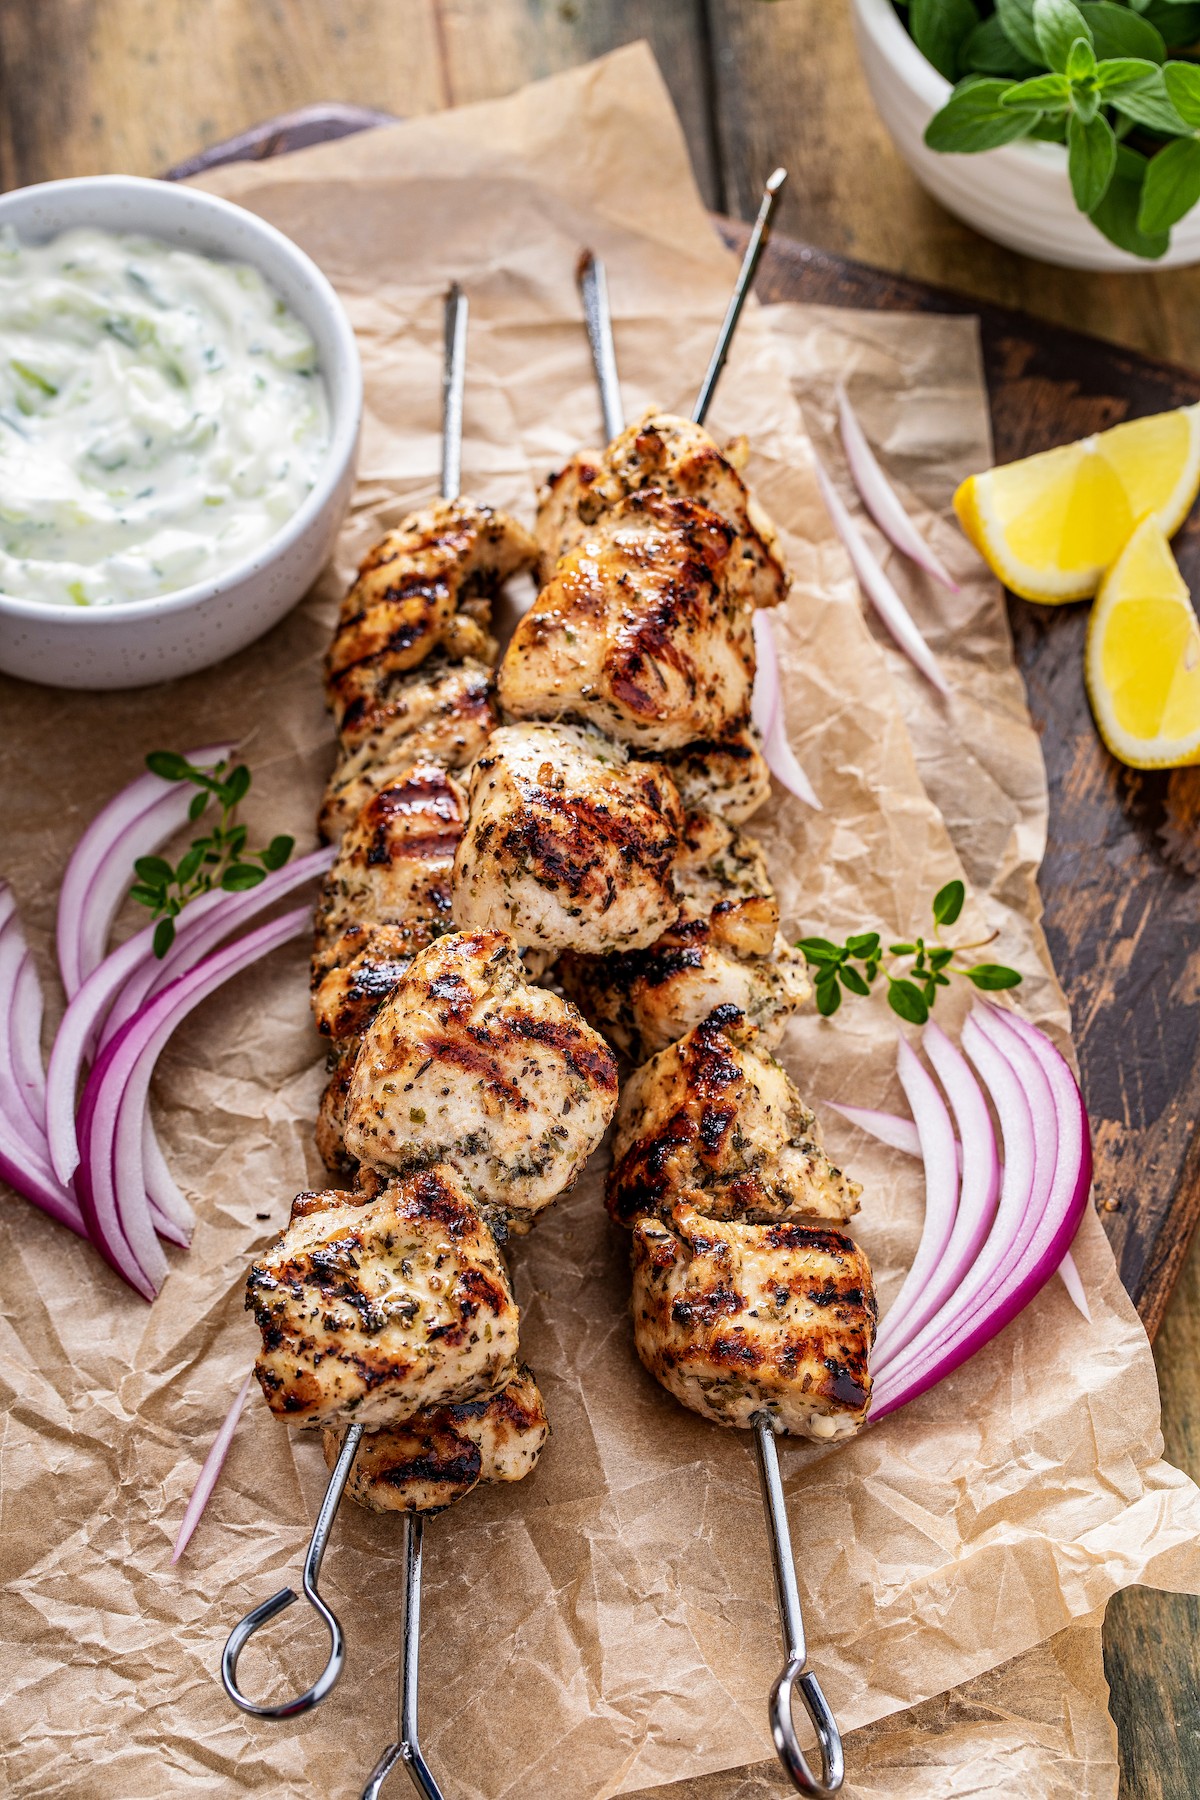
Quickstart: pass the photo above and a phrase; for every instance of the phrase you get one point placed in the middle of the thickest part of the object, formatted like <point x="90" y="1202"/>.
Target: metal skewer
<point x="737" y="300"/>
<point x="259" y="1616"/>
<point x="408" y="1750"/>
<point x="593" y="288"/>
<point x="794" y="1675"/>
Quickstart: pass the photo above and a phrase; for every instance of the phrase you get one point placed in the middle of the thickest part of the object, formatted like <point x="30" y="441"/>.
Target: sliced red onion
<point x="210" y="1470"/>
<point x="30" y="1178"/>
<point x="936" y="1135"/>
<point x="1028" y="1241"/>
<point x="881" y="499"/>
<point x="767" y="712"/>
<point x="17" y="1092"/>
<point x="890" y="1128"/>
<point x="123" y="982"/>
<point x="100" y="871"/>
<point x="978" y="1188"/>
<point x="28" y="1008"/>
<point x="111" y="1182"/>
<point x="166" y="1197"/>
<point x="900" y="1134"/>
<point x="202" y="927"/>
<point x="1072" y="1280"/>
<point x="878" y="589"/>
<point x="165" y="1226"/>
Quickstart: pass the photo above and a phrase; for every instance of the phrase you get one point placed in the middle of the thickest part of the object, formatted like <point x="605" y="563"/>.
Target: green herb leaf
<point x="1172" y="185"/>
<point x="235" y="786"/>
<point x="1016" y="22"/>
<point x="975" y="118"/>
<point x="1117" y="214"/>
<point x="164" y="937"/>
<point x="239" y="876"/>
<point x="907" y="1000"/>
<point x="818" y="950"/>
<point x="939" y="958"/>
<point x="1091" y="159"/>
<point x="1057" y="25"/>
<point x="189" y="862"/>
<point x="1050" y="92"/>
<point x="903" y="949"/>
<point x="169" y="765"/>
<point x="948" y="903"/>
<point x="865" y="943"/>
<point x="851" y="979"/>
<point x="829" y="998"/>
<point x="939" y="29"/>
<point x="154" y="871"/>
<point x="992" y="976"/>
<point x="1118" y="32"/>
<point x="1150" y="105"/>
<point x="199" y="802"/>
<point x="1123" y="72"/>
<point x="1081" y="60"/>
<point x="277" y="852"/>
<point x="990" y="51"/>
<point x="1182" y="82"/>
<point x="146" y="896"/>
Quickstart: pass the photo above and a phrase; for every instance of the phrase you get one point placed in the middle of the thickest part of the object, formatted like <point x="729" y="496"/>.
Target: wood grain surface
<point x="93" y="85"/>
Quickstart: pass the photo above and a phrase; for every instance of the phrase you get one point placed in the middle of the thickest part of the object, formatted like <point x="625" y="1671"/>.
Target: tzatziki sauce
<point x="162" y="416"/>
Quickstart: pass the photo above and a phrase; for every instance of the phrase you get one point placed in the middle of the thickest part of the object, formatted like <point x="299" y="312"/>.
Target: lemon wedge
<point x="1050" y="525"/>
<point x="1143" y="657"/>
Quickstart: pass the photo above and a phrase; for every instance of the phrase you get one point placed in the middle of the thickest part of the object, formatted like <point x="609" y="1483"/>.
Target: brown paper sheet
<point x="608" y="1626"/>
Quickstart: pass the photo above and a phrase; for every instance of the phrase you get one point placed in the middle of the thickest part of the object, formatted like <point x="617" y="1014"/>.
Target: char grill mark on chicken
<point x="747" y="1297"/>
<point x="736" y="1319"/>
<point x="569" y="842"/>
<point x="722" y="949"/>
<point x="472" y="1065"/>
<point x="370" y="1309"/>
<point x="717" y="1117"/>
<point x="388" y="1303"/>
<point x="440" y="1454"/>
<point x="642" y="630"/>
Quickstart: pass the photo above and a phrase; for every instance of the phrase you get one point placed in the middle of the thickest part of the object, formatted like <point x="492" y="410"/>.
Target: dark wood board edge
<point x="1045" y="383"/>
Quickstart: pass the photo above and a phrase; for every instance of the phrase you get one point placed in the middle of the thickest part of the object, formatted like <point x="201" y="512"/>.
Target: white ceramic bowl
<point x="1019" y="194"/>
<point x="141" y="641"/>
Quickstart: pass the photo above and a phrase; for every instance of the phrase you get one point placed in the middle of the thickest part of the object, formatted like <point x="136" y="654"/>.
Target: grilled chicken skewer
<point x="462" y="1099"/>
<point x="751" y="1304"/>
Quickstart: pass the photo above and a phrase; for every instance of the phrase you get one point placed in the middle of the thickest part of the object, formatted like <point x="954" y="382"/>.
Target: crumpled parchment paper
<point x="608" y="1626"/>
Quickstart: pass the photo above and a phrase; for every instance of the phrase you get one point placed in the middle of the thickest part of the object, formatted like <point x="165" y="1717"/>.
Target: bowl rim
<point x="345" y="400"/>
<point x="880" y="18"/>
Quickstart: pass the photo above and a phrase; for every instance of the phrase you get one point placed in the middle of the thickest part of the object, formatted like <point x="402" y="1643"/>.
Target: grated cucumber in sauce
<point x="161" y="417"/>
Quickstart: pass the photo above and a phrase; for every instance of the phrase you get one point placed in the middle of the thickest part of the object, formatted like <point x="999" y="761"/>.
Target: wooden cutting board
<point x="1124" y="847"/>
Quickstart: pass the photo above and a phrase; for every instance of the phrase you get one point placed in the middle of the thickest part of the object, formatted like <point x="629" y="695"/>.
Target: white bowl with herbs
<point x="1067" y="132"/>
<point x="180" y="400"/>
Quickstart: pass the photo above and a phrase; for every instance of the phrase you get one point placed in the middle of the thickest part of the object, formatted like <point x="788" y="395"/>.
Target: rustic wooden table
<point x="137" y="85"/>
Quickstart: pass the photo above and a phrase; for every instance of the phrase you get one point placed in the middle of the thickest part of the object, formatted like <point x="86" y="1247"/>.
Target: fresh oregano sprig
<point x="218" y="859"/>
<point x="1096" y="77"/>
<point x="854" y="965"/>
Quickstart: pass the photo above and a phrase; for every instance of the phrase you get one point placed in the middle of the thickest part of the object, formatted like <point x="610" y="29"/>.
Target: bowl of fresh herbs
<point x="1068" y="131"/>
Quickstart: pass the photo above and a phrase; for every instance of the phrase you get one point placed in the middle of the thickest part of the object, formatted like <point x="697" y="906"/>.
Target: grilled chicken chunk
<point x="727" y="777"/>
<point x="439" y="1455"/>
<point x="568" y="842"/>
<point x="471" y="1065"/>
<point x="674" y="456"/>
<point x="394" y="866"/>
<point x="641" y="630"/>
<point x="715" y="1117"/>
<point x="372" y="1309"/>
<point x="724" y="950"/>
<point x="735" y="1319"/>
<point x="439" y="713"/>
<point x="427" y="584"/>
<point x="330" y="1133"/>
